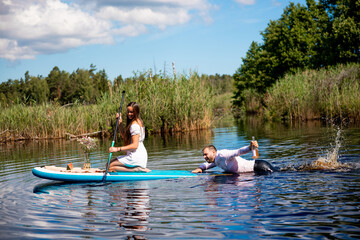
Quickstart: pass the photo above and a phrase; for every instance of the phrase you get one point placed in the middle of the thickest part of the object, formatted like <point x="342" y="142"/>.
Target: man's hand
<point x="254" y="143"/>
<point x="198" y="170"/>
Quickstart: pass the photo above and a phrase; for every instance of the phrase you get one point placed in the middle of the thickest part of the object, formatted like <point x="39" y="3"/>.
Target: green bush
<point x="310" y="94"/>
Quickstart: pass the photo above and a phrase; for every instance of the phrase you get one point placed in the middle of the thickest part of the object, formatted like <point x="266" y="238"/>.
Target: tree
<point x="254" y="73"/>
<point x="290" y="40"/>
<point x="80" y="86"/>
<point x="117" y="82"/>
<point x="13" y="91"/>
<point x="3" y="99"/>
<point x="37" y="90"/>
<point x="57" y="81"/>
<point x="316" y="35"/>
<point x="220" y="83"/>
<point x="345" y="34"/>
<point x="101" y="82"/>
<point x="59" y="86"/>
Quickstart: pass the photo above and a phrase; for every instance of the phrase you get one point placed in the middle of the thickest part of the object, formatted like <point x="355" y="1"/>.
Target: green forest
<point x="320" y="34"/>
<point x="85" y="86"/>
<point x="307" y="67"/>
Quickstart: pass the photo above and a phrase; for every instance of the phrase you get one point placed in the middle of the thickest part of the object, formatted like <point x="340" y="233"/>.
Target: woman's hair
<point x="136" y="109"/>
<point x="136" y="118"/>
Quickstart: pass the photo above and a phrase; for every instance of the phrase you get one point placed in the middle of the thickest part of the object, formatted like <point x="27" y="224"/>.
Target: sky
<point x="124" y="37"/>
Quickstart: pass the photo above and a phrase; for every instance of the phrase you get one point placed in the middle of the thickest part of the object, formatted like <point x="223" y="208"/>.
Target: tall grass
<point x="50" y="121"/>
<point x="166" y="104"/>
<point x="326" y="93"/>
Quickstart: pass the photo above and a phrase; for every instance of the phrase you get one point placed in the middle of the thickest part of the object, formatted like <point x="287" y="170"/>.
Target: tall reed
<point x="167" y="104"/>
<point x="325" y="93"/>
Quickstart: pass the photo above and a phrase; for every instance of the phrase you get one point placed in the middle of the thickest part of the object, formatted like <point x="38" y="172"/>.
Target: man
<point x="230" y="160"/>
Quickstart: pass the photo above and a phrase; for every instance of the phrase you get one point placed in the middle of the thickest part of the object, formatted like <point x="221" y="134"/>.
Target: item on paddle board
<point x="96" y="175"/>
<point x="255" y="150"/>
<point x="69" y="166"/>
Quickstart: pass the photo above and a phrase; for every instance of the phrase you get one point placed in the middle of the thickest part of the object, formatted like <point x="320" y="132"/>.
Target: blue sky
<point x="127" y="36"/>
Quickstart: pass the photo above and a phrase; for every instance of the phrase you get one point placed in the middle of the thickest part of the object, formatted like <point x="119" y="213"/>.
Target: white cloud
<point x="246" y="2"/>
<point x="9" y="49"/>
<point x="131" y="30"/>
<point x="44" y="27"/>
<point x="146" y="16"/>
<point x="188" y="4"/>
<point x="32" y="27"/>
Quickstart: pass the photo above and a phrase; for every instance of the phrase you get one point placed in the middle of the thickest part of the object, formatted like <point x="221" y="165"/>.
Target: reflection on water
<point x="244" y="190"/>
<point x="320" y="202"/>
<point x="129" y="203"/>
<point x="135" y="204"/>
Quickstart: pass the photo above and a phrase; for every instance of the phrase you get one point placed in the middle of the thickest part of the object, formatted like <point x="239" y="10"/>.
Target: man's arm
<point x="233" y="153"/>
<point x="203" y="167"/>
<point x="198" y="170"/>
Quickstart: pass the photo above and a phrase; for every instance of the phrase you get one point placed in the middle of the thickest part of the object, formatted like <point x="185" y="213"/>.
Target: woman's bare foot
<point x="140" y="169"/>
<point x="146" y="170"/>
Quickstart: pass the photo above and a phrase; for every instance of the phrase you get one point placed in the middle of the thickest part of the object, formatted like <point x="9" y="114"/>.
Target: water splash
<point x="329" y="161"/>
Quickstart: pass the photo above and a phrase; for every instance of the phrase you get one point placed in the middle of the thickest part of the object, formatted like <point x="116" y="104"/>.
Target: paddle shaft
<point x="113" y="141"/>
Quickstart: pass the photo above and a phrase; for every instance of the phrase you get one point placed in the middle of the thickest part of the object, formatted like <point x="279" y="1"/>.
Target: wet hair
<point x="129" y="121"/>
<point x="211" y="147"/>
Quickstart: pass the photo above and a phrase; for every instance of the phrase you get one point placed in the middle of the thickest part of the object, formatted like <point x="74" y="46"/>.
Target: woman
<point x="135" y="159"/>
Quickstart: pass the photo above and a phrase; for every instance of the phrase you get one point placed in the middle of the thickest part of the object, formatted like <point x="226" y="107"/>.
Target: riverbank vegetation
<point x="168" y="104"/>
<point x="328" y="93"/>
<point x="300" y="54"/>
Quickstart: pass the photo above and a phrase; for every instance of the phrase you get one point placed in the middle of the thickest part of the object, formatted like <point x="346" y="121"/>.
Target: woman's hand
<point x="114" y="149"/>
<point x="131" y="147"/>
<point x="117" y="116"/>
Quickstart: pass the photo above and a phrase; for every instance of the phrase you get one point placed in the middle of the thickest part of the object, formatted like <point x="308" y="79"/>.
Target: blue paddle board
<point x="66" y="176"/>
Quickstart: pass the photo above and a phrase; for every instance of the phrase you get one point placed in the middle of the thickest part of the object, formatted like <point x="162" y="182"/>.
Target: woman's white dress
<point x="137" y="157"/>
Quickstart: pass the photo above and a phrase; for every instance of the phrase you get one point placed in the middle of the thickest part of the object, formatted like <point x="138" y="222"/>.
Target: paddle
<point x="113" y="142"/>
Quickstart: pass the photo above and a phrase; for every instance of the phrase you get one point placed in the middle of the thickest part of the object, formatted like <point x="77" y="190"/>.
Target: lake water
<point x="302" y="201"/>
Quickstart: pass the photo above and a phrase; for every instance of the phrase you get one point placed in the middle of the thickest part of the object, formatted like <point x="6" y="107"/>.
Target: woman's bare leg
<point x="128" y="169"/>
<point x="117" y="166"/>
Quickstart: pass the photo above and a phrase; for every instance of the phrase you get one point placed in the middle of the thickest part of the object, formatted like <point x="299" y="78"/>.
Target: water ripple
<point x="318" y="204"/>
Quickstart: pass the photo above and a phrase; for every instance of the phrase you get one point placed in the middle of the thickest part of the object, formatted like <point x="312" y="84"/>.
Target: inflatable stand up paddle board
<point x="96" y="175"/>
